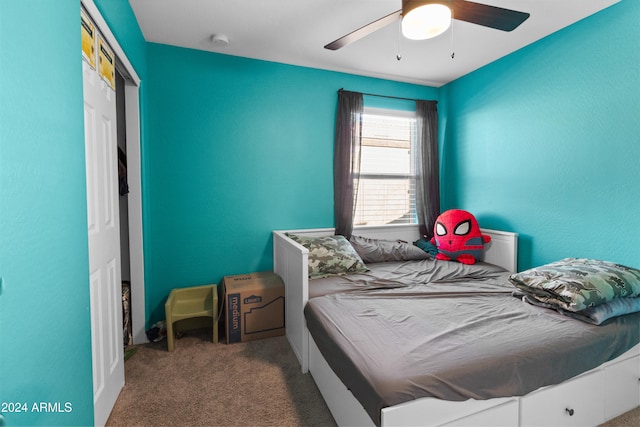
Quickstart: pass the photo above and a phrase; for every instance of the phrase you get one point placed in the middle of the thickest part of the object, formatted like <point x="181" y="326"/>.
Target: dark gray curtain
<point x="346" y="159"/>
<point x="427" y="168"/>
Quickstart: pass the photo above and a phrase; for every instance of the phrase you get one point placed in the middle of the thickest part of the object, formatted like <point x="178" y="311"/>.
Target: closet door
<point x="103" y="226"/>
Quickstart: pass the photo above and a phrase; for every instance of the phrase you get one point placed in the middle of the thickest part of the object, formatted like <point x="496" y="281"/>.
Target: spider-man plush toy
<point x="457" y="236"/>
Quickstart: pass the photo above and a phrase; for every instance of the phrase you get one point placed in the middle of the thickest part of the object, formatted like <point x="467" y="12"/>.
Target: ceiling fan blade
<point x="488" y="16"/>
<point x="364" y="31"/>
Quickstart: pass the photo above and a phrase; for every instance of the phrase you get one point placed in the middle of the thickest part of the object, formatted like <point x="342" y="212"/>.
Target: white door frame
<point x="132" y="107"/>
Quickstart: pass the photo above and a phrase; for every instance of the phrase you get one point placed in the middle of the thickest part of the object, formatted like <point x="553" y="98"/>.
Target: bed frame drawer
<point x="577" y="402"/>
<point x="622" y="387"/>
<point x="504" y="415"/>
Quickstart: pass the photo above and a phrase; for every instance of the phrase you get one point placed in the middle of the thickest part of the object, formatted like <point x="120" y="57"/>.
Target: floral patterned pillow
<point x="330" y="256"/>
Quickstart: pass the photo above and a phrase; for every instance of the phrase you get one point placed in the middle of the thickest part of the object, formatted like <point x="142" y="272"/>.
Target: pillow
<point x="575" y="284"/>
<point x="595" y="315"/>
<point x="330" y="256"/>
<point x="378" y="250"/>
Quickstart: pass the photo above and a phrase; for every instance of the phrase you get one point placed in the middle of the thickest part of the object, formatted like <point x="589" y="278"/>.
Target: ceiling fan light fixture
<point x="424" y="20"/>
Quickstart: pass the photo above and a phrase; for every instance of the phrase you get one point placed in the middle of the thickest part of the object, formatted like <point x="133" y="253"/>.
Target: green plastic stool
<point x="195" y="307"/>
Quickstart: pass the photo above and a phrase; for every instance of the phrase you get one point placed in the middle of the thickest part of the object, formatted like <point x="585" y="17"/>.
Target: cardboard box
<point x="254" y="306"/>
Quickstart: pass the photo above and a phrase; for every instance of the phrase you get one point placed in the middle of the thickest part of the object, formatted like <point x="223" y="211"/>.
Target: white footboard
<point x="290" y="262"/>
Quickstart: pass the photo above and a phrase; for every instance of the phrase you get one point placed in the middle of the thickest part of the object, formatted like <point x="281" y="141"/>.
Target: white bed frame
<point x="589" y="399"/>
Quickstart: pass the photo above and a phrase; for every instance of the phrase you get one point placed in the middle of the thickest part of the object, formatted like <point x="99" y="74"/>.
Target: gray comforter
<point x="450" y="331"/>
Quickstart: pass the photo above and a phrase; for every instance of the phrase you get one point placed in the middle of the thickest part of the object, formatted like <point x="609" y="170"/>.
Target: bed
<point x="331" y="323"/>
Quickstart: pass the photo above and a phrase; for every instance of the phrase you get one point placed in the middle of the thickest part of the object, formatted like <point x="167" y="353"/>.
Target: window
<point x="386" y="190"/>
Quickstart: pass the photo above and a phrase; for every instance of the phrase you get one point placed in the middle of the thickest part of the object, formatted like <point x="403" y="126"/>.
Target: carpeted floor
<point x="629" y="419"/>
<point x="257" y="383"/>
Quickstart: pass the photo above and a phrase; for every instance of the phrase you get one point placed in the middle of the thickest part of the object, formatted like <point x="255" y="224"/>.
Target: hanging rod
<point x="389" y="96"/>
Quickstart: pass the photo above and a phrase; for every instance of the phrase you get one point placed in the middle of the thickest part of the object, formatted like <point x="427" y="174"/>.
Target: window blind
<point x="386" y="189"/>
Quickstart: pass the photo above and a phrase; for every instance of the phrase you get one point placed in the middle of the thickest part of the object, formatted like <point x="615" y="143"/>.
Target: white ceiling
<point x="295" y="32"/>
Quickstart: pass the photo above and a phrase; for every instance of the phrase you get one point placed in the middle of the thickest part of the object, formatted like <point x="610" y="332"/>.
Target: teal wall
<point x="124" y="26"/>
<point x="45" y="354"/>
<point x="237" y="148"/>
<point x="546" y="142"/>
<point x="45" y="331"/>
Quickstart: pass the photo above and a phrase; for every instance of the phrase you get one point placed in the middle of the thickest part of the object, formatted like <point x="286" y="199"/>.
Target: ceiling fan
<point x="423" y="19"/>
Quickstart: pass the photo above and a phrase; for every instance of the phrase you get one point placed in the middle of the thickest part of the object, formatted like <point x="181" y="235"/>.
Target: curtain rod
<point x="389" y="96"/>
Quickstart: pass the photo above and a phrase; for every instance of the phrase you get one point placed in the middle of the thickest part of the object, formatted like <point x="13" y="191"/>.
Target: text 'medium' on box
<point x="254" y="306"/>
